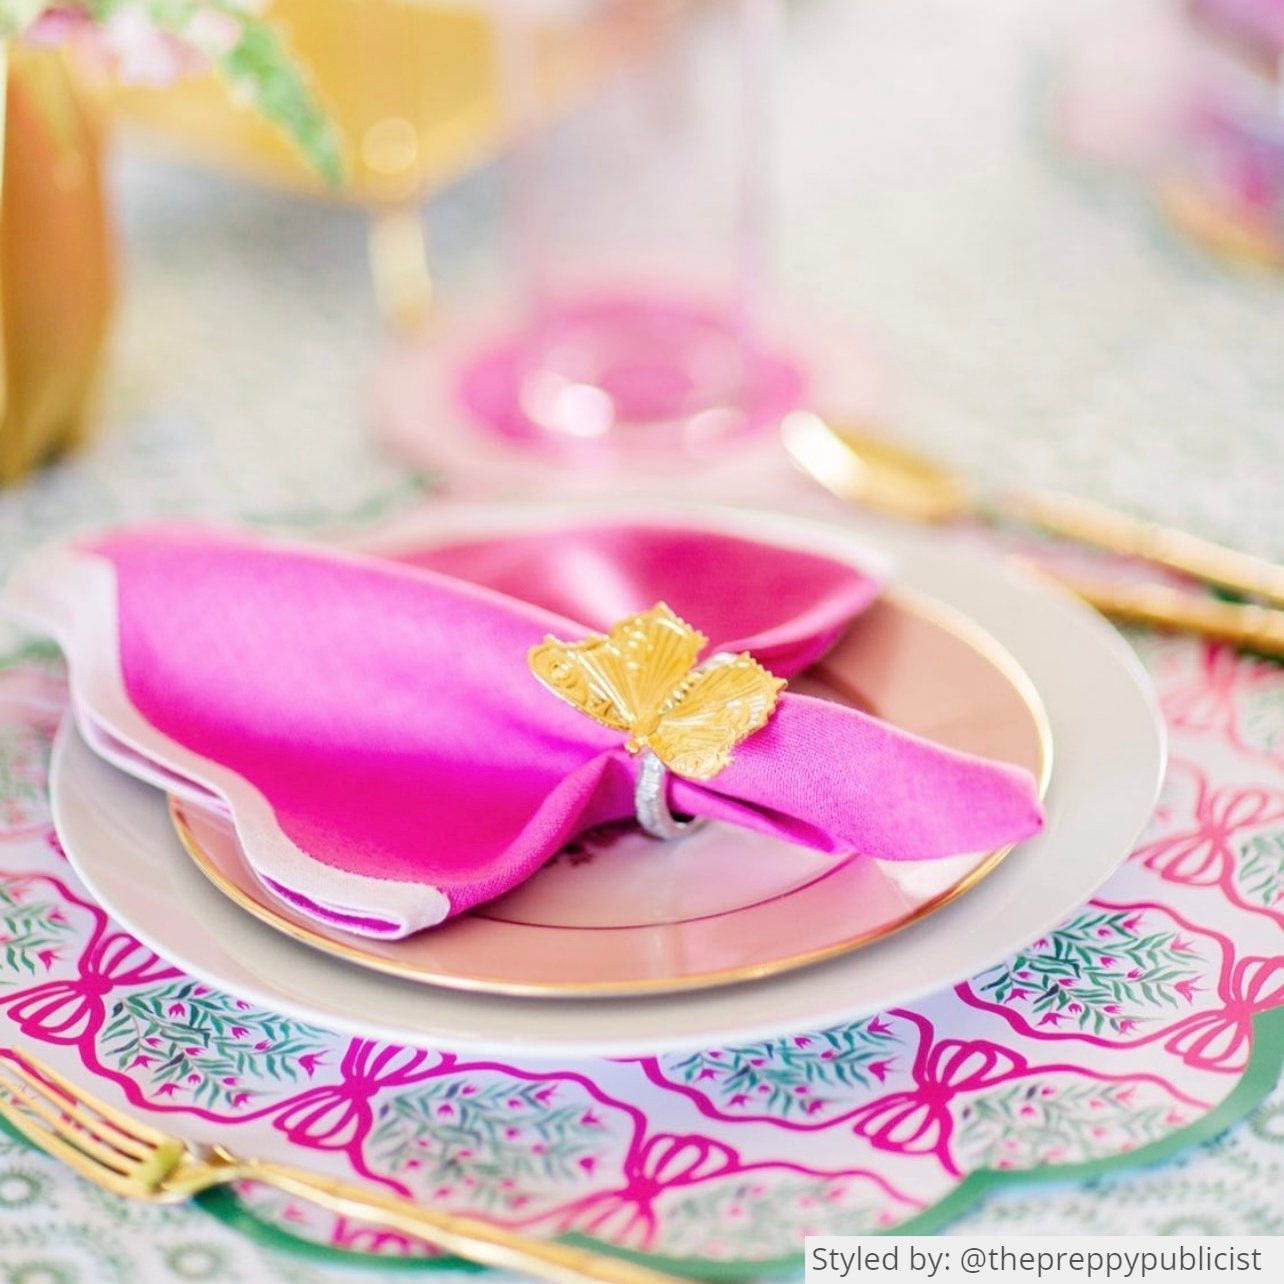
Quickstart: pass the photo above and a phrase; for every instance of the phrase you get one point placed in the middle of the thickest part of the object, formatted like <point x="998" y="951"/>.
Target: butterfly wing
<point x="624" y="679"/>
<point x="726" y="700"/>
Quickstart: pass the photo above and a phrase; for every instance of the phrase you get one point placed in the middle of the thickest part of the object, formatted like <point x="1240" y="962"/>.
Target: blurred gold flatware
<point x="132" y="1159"/>
<point x="1256" y="628"/>
<point x="867" y="470"/>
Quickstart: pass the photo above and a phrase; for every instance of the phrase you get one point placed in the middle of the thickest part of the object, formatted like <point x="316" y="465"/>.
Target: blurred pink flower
<point x="130" y="44"/>
<point x="58" y="25"/>
<point x="143" y="55"/>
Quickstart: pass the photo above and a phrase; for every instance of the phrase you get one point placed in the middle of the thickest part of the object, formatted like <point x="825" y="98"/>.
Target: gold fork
<point x="137" y="1161"/>
<point x="864" y="469"/>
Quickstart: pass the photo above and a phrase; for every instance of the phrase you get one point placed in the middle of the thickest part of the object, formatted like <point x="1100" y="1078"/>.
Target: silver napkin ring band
<point x="650" y="798"/>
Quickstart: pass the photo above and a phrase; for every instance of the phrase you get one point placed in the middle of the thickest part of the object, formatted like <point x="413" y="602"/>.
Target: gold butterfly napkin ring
<point x="641" y="678"/>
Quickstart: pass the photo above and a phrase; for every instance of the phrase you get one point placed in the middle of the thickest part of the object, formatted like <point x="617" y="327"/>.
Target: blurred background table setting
<point x="633" y="629"/>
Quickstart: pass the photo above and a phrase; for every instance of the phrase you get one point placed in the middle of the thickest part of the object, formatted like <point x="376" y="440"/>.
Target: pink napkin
<point x="386" y="754"/>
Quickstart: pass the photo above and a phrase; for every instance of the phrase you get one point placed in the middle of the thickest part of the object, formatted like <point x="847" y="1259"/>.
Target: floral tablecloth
<point x="1033" y="324"/>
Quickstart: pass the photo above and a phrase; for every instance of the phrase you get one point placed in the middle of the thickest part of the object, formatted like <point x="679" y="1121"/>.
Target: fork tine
<point x="140" y="1159"/>
<point x="87" y="1142"/>
<point x="52" y="1144"/>
<point x="33" y="1070"/>
<point x="85" y="1110"/>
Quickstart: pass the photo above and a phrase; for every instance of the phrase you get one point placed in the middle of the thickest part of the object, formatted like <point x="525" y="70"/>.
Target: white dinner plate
<point x="1109" y="764"/>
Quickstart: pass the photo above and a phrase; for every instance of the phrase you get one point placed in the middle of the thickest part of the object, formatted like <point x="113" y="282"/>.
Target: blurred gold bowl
<point x="412" y="87"/>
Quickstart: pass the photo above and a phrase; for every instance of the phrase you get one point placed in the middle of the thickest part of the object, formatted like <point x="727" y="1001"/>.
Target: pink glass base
<point x="628" y="375"/>
<point x="424" y="385"/>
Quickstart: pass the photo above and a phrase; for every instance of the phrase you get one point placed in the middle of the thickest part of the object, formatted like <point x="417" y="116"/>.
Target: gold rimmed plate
<point x="618" y="913"/>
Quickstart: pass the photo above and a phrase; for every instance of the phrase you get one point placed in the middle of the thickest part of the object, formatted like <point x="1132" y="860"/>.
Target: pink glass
<point x="637" y="224"/>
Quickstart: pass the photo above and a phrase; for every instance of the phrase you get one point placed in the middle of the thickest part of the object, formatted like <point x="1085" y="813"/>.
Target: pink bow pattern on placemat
<point x="1222" y="1040"/>
<point x="918" y="1121"/>
<point x="68" y="1011"/>
<point x="1231" y="825"/>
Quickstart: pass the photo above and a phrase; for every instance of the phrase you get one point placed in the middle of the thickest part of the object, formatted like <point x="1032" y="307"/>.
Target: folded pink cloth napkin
<point x="384" y="750"/>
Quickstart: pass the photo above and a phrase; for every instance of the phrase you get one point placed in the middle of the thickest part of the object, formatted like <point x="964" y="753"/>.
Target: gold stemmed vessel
<point x="877" y="474"/>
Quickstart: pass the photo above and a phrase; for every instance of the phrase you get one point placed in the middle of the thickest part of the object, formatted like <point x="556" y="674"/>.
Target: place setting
<point x="260" y="795"/>
<point x="698" y="818"/>
<point x="599" y="907"/>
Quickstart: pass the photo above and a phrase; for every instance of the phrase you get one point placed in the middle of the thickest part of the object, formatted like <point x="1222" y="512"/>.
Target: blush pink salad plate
<point x="617" y="912"/>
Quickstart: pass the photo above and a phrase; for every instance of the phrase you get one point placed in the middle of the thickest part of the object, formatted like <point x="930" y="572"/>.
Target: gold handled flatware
<point x="1091" y="523"/>
<point x="1256" y="628"/>
<point x="137" y="1161"/>
<point x="876" y="474"/>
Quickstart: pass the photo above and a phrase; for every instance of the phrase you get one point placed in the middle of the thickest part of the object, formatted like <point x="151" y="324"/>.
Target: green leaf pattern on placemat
<point x="1103" y="972"/>
<point x="764" y="1215"/>
<point x="492" y="1141"/>
<point x="1259" y="872"/>
<point x="24" y="769"/>
<point x="1263" y="718"/>
<point x="32" y="926"/>
<point x="1025" y="1124"/>
<point x="194" y="1045"/>
<point x="788" y="1077"/>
